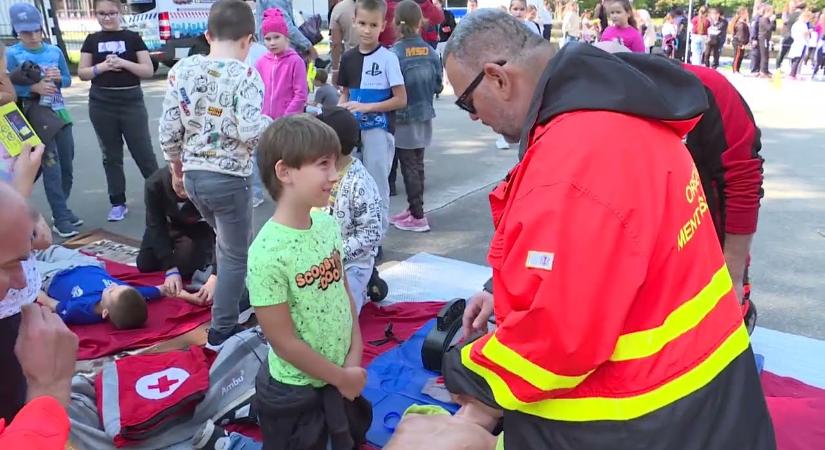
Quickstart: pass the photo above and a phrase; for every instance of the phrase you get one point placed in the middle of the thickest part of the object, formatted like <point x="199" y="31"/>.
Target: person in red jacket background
<point x="617" y="323"/>
<point x="433" y="17"/>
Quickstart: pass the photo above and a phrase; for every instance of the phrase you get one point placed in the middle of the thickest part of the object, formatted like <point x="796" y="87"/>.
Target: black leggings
<point x="738" y="56"/>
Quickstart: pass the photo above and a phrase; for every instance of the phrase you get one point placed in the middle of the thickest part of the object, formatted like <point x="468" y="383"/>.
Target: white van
<point x="168" y="27"/>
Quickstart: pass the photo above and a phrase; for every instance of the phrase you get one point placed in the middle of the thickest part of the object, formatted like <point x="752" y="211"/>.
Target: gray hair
<point x="489" y="35"/>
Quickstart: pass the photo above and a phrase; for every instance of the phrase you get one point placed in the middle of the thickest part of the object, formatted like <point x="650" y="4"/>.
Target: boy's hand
<point x="193" y="298"/>
<point x="357" y="107"/>
<point x="53" y="74"/>
<point x="44" y="88"/>
<point x="352" y="382"/>
<point x="207" y="291"/>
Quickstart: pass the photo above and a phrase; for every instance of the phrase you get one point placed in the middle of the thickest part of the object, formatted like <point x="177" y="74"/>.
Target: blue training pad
<point x="394" y="383"/>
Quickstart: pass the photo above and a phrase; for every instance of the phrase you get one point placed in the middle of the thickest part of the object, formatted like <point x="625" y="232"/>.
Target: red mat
<point x="168" y="318"/>
<point x="797" y="411"/>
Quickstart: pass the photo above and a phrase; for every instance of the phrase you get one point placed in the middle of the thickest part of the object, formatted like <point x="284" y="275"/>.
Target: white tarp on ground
<point x="426" y="277"/>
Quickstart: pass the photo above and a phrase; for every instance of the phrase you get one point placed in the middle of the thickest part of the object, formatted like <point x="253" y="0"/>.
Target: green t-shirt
<point x="303" y="268"/>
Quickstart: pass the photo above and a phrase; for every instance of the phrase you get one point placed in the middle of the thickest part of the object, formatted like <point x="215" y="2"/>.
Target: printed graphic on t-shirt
<point x="117" y="47"/>
<point x="370" y="79"/>
<point x="325" y="273"/>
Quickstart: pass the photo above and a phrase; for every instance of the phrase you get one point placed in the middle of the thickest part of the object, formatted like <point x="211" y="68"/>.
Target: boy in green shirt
<point x="298" y="286"/>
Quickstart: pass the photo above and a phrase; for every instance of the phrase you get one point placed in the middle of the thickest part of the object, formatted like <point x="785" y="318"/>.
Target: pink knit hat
<point x="273" y="22"/>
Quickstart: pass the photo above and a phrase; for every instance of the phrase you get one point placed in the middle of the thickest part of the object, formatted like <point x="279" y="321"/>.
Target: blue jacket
<point x="421" y="67"/>
<point x="47" y="55"/>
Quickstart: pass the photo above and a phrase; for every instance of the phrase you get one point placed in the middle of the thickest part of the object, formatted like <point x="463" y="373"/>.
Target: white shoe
<point x="501" y="143"/>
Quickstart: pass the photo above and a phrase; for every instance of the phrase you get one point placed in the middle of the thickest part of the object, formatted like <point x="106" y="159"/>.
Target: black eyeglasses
<point x="465" y="101"/>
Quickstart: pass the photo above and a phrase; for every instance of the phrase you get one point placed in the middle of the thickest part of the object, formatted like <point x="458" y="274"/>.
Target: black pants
<point x="820" y="60"/>
<point x="193" y="250"/>
<point x="12" y="381"/>
<point x="119" y="114"/>
<point x="711" y="52"/>
<point x="764" y="56"/>
<point x="412" y="168"/>
<point x="548" y="28"/>
<point x="786" y="47"/>
<point x="738" y="56"/>
<point x="795" y="65"/>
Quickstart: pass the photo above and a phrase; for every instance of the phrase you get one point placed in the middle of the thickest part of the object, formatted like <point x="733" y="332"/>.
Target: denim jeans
<point x="58" y="173"/>
<point x="257" y="184"/>
<point x="225" y="202"/>
<point x="697" y="48"/>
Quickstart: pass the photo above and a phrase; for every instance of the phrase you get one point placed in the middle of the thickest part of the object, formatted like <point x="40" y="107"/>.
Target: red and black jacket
<point x="725" y="146"/>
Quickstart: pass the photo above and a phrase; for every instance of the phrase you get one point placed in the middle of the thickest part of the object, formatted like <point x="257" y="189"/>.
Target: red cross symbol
<point x="163" y="384"/>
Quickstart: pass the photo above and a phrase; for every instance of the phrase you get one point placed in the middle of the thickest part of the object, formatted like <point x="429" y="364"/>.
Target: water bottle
<point x="47" y="100"/>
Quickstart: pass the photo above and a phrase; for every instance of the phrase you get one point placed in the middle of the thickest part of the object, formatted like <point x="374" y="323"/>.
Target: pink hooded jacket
<point x="285" y="83"/>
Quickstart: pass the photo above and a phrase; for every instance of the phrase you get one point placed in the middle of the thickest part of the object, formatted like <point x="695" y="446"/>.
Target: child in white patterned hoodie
<point x="356" y="204"/>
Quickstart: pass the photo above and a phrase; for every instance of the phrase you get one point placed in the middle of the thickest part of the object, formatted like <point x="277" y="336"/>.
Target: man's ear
<point x="208" y="37"/>
<point x="500" y="79"/>
<point x="104" y="313"/>
<point x="282" y="172"/>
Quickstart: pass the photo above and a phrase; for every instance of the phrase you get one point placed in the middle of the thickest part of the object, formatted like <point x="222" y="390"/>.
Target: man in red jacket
<point x="45" y="347"/>
<point x="616" y="321"/>
<point x="433" y="16"/>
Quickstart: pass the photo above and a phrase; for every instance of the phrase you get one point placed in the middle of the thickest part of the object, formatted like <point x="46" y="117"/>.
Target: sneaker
<point x="413" y="224"/>
<point x="65" y="229"/>
<point x="400" y="216"/>
<point x="73" y="219"/>
<point x="502" y="143"/>
<point x="257" y="201"/>
<point x="117" y="213"/>
<point x="210" y="437"/>
<point x="215" y="339"/>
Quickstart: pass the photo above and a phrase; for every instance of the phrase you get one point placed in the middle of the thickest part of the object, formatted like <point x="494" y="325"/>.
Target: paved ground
<point x="788" y="255"/>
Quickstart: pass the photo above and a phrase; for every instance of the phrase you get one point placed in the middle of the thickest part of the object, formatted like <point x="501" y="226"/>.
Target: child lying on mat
<point x="78" y="288"/>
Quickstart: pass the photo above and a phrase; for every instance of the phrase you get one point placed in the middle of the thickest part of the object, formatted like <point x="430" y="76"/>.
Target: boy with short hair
<point x="325" y="94"/>
<point x="78" y="288"/>
<point x="57" y="163"/>
<point x="373" y="89"/>
<point x="299" y="290"/>
<point x="209" y="127"/>
<point x="356" y="205"/>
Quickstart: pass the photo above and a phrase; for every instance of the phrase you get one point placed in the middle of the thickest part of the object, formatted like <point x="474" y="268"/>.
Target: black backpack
<point x="311" y="28"/>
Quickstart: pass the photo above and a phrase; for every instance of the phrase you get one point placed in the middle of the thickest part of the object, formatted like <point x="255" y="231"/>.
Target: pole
<point x="689" y="26"/>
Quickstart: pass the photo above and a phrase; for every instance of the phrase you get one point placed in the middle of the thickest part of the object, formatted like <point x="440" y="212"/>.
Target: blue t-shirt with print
<point x="78" y="291"/>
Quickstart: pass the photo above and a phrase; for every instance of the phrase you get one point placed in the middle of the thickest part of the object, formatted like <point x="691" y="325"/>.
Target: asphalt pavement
<point x="463" y="164"/>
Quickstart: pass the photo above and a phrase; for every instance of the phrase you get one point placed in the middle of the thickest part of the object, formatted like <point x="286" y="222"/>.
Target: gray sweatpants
<point x="377" y="152"/>
<point x="225" y="202"/>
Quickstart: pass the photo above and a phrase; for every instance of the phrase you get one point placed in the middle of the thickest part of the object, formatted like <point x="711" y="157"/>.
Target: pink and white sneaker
<point x="400" y="216"/>
<point x="412" y="224"/>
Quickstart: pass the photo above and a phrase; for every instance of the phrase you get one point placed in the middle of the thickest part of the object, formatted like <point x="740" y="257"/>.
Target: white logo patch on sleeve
<point x="539" y="260"/>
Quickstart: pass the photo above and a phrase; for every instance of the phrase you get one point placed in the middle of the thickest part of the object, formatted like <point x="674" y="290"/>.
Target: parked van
<point x="168" y="27"/>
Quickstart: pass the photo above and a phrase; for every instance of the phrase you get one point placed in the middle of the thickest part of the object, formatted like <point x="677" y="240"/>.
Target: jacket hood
<point x="288" y="53"/>
<point x="583" y="77"/>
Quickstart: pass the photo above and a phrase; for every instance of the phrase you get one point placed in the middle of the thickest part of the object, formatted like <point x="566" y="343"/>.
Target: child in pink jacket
<point x="283" y="71"/>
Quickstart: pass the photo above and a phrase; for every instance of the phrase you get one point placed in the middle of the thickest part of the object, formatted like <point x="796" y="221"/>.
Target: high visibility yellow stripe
<point x="641" y="344"/>
<point x="627" y="408"/>
<point x="532" y="373"/>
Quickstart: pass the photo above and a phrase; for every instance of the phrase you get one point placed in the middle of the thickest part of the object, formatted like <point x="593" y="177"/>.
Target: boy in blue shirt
<point x="373" y="89"/>
<point x="59" y="155"/>
<point x="78" y="288"/>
